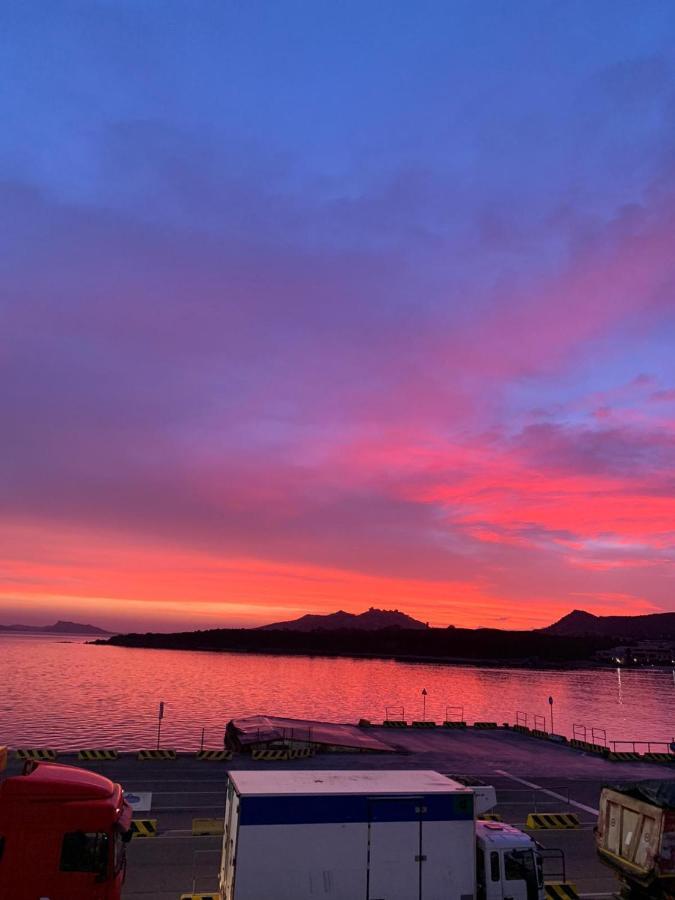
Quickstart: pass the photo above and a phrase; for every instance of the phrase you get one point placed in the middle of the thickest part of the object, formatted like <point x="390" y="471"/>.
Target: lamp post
<point x="550" y="703"/>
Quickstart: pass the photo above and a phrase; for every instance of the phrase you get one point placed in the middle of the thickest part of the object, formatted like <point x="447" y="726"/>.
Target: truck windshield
<point x="84" y="851"/>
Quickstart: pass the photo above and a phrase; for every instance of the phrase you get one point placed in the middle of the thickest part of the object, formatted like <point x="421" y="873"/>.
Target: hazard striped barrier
<point x="560" y="890"/>
<point x="201" y="896"/>
<point x="522" y="729"/>
<point x="490" y="817"/>
<point x="485" y="725"/>
<point x="659" y="757"/>
<point x="394" y="723"/>
<point x="142" y="828"/>
<point x="448" y="724"/>
<point x="215" y="755"/>
<point x="557" y="821"/>
<point x="98" y="754"/>
<point x="301" y="752"/>
<point x="40" y="755"/>
<point x="201" y="827"/>
<point x="156" y="754"/>
<point x="538" y="733"/>
<point x="616" y="756"/>
<point x="587" y="747"/>
<point x="269" y="755"/>
<point x="423" y="724"/>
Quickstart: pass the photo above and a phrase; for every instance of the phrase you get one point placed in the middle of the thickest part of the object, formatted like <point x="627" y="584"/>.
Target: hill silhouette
<point x="655" y="626"/>
<point x="371" y="620"/>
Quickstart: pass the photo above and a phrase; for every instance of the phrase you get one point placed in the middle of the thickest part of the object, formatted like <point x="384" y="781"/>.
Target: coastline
<point x="450" y="661"/>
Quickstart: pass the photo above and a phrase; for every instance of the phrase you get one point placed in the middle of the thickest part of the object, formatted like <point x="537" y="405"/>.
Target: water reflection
<point x="77" y="694"/>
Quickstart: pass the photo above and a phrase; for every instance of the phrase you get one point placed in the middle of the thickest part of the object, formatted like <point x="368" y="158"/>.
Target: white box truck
<point x="368" y="835"/>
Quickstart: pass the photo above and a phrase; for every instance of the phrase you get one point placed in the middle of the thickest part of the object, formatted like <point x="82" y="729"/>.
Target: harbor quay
<point x="532" y="778"/>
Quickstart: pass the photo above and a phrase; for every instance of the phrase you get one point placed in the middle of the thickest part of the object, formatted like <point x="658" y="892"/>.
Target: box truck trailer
<point x="368" y="835"/>
<point x="635" y="836"/>
<point x="62" y="835"/>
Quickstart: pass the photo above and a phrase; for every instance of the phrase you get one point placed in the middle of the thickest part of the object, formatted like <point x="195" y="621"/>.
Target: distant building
<point x="640" y="653"/>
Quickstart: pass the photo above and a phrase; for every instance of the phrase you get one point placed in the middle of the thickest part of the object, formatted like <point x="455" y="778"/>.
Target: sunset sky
<point x="321" y="305"/>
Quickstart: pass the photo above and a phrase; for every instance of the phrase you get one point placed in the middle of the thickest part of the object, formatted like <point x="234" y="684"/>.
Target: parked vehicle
<point x="635" y="835"/>
<point x="63" y="832"/>
<point x="378" y="835"/>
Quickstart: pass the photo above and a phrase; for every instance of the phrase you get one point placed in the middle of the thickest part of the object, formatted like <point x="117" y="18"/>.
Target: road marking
<point x="537" y="787"/>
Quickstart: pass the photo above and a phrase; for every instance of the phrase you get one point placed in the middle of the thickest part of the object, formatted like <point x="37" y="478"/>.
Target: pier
<point x="532" y="778"/>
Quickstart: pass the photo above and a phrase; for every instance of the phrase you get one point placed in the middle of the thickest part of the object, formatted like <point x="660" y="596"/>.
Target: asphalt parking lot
<point x="529" y="776"/>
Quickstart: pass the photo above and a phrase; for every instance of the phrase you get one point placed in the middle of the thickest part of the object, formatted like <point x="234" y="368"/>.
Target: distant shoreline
<point x="450" y="661"/>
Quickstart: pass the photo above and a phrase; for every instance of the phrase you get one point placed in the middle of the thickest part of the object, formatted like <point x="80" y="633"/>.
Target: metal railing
<point x="521" y="719"/>
<point x="579" y="732"/>
<point x="454" y="713"/>
<point x="539" y="722"/>
<point x="394" y="713"/>
<point x="553" y="861"/>
<point x="662" y="746"/>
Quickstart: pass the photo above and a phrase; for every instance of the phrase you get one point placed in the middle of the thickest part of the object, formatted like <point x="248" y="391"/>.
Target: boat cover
<point x="252" y="730"/>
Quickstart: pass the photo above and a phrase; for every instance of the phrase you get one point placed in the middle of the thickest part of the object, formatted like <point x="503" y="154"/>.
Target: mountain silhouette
<point x="371" y="620"/>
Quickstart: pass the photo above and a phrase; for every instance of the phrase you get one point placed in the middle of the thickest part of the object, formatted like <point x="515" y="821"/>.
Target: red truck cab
<point x="63" y="832"/>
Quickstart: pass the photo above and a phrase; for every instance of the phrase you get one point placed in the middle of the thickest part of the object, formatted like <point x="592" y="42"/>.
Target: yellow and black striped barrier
<point x="616" y="756"/>
<point x="394" y="723"/>
<point x="659" y="757"/>
<point x="142" y="828"/>
<point x="156" y="754"/>
<point x="423" y="724"/>
<point x="538" y="733"/>
<point x="201" y="827"/>
<point x="555" y="821"/>
<point x="522" y="729"/>
<point x="98" y="754"/>
<point x="39" y="755"/>
<point x="215" y="755"/>
<point x="587" y="747"/>
<point x="301" y="752"/>
<point x="211" y="896"/>
<point x="448" y="724"/>
<point x="485" y="725"/>
<point x="491" y="817"/>
<point x="560" y="890"/>
<point x="270" y="755"/>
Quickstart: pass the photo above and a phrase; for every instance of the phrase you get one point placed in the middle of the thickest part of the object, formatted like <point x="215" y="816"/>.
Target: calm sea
<point x="65" y="693"/>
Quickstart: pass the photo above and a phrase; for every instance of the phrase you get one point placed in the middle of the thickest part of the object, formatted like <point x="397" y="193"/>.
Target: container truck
<point x="374" y="835"/>
<point x="635" y="835"/>
<point x="63" y="832"/>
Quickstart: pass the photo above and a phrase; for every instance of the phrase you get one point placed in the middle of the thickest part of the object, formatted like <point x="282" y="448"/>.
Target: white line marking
<point x="537" y="787"/>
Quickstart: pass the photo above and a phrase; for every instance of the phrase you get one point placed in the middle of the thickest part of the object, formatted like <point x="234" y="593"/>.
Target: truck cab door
<point x="519" y="875"/>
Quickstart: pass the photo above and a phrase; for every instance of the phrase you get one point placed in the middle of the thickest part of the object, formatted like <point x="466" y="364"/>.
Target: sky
<point x="318" y="306"/>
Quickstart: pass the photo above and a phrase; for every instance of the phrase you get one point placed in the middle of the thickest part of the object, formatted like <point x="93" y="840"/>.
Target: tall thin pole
<point x="550" y="703"/>
<point x="424" y="704"/>
<point x="160" y="716"/>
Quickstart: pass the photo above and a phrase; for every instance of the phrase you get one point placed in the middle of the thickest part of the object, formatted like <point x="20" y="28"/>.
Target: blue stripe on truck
<point x="313" y="809"/>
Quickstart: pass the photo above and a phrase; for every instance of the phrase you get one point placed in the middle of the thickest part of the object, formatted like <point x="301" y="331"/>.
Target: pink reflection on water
<point x="73" y="694"/>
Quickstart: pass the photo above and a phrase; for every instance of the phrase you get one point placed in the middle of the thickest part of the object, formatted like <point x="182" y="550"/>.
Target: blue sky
<point x="349" y="271"/>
